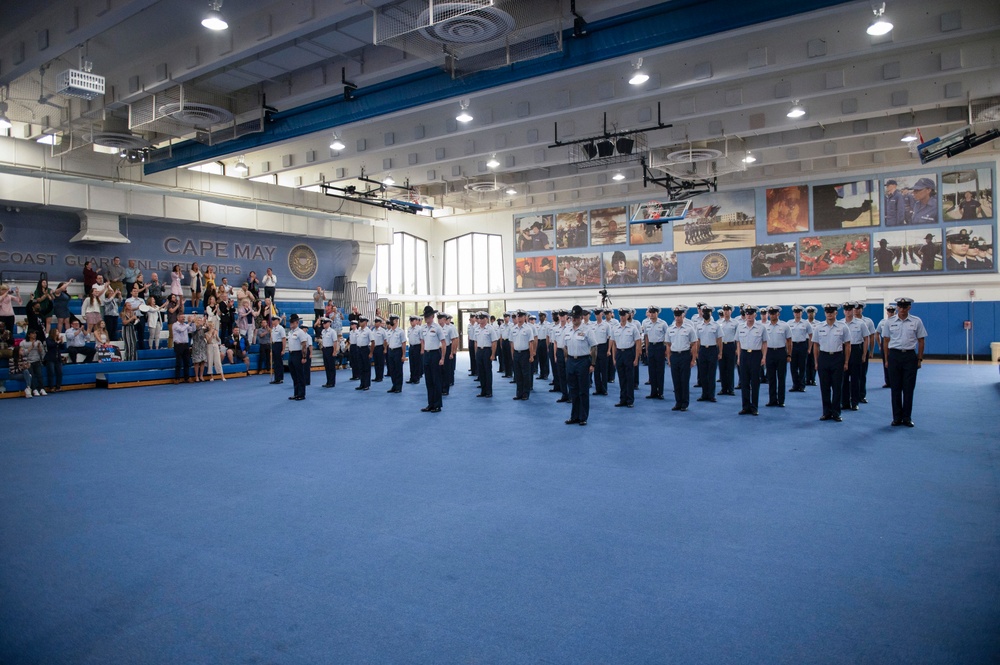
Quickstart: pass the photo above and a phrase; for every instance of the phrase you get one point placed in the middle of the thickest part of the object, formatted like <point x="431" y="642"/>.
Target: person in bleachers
<point x="43" y="296"/>
<point x="319" y="297"/>
<point x="175" y="307"/>
<point x="6" y="341"/>
<point x="176" y="282"/>
<point x="210" y="286"/>
<point x="18" y="365"/>
<point x="110" y="304"/>
<point x="91" y="310"/>
<point x="100" y="334"/>
<point x="237" y="348"/>
<point x="227" y="317"/>
<point x="211" y="309"/>
<point x="89" y="276"/>
<point x="253" y="285"/>
<point x="197" y="285"/>
<point x="245" y="319"/>
<point x="199" y="348"/>
<point x="154" y="322"/>
<point x="213" y="352"/>
<point x="76" y="343"/>
<point x="60" y="305"/>
<point x="270" y="283"/>
<point x="139" y="326"/>
<point x="53" y="360"/>
<point x="33" y="352"/>
<point x="129" y="318"/>
<point x="33" y="316"/>
<point x="8" y="298"/>
<point x="155" y="289"/>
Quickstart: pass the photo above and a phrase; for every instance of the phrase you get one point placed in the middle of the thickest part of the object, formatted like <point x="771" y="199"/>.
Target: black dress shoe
<point x="754" y="413"/>
<point x="517" y="399"/>
<point x="272" y="382"/>
<point x="621" y="404"/>
<point x="854" y="408"/>
<point x="293" y="397"/>
<point x="896" y="423"/>
<point x="826" y="417"/>
<point x="563" y="400"/>
<point x="512" y="382"/>
<point x="885" y="385"/>
<point x="650" y="396"/>
<point x="360" y="388"/>
<point x="436" y="409"/>
<point x="771" y="404"/>
<point x="572" y="421"/>
<point x="864" y="401"/>
<point x="582" y="423"/>
<point x="838" y="419"/>
<point x="426" y="409"/>
<point x="909" y="423"/>
<point x="745" y="412"/>
<point x="555" y="391"/>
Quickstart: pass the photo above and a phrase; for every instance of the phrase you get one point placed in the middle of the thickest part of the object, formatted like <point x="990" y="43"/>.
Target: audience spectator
<point x="43" y="296"/>
<point x="129" y="319"/>
<point x="176" y="282"/>
<point x="197" y="285"/>
<point x="89" y="276"/>
<point x="18" y="365"/>
<point x="33" y="352"/>
<point x="270" y="281"/>
<point x="33" y="316"/>
<point x="76" y="343"/>
<point x="60" y="305"/>
<point x="199" y="350"/>
<point x="318" y="299"/>
<point x="210" y="286"/>
<point x="213" y="352"/>
<point x="111" y="305"/>
<point x="211" y="309"/>
<point x="225" y="287"/>
<point x="91" y="310"/>
<point x="245" y="318"/>
<point x="116" y="275"/>
<point x="53" y="360"/>
<point x="180" y="333"/>
<point x="155" y="289"/>
<point x="237" y="348"/>
<point x="154" y="322"/>
<point x="130" y="277"/>
<point x="175" y="308"/>
<point x="8" y="299"/>
<point x="253" y="285"/>
<point x="227" y="317"/>
<point x="101" y="336"/>
<point x="139" y="326"/>
<point x="101" y="287"/>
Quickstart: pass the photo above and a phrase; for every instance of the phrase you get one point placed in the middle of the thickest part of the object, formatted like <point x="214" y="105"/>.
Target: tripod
<point x="605" y="299"/>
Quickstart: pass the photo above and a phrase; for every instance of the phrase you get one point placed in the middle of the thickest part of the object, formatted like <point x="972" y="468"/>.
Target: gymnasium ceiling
<point x="723" y="75"/>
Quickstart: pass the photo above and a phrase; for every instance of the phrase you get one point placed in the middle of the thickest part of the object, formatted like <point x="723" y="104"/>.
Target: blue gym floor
<point x="223" y="523"/>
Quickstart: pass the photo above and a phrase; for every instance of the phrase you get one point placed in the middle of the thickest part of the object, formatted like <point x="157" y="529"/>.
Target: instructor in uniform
<point x="905" y="340"/>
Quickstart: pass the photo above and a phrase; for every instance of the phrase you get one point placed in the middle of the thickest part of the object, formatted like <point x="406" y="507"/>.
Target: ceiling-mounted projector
<point x="77" y="83"/>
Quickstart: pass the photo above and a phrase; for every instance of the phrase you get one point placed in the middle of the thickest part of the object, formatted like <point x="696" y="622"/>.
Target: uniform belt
<point x="904" y="350"/>
<point x="580" y="357"/>
<point x="656" y="343"/>
<point x="708" y="346"/>
<point x="729" y="343"/>
<point x="854" y="345"/>
<point x="832" y="353"/>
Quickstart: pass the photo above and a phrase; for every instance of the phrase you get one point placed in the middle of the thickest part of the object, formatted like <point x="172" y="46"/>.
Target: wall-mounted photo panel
<point x="970" y="247"/>
<point x="579" y="270"/>
<point x="571" y="229"/>
<point x="535" y="272"/>
<point x="845" y="205"/>
<point x="534" y="233"/>
<point x="912" y="250"/>
<point x="910" y="199"/>
<point x="726" y="220"/>
<point x="658" y="267"/>
<point x="621" y="267"/>
<point x="776" y="259"/>
<point x="825" y="256"/>
<point x="609" y="226"/>
<point x="967" y="195"/>
<point x="787" y="209"/>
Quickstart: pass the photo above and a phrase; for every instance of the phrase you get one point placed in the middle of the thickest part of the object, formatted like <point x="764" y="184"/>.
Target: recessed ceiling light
<point x="493" y="163"/>
<point x="213" y="19"/>
<point x="910" y="137"/>
<point x="240" y="167"/>
<point x="618" y="176"/>
<point x="797" y="110"/>
<point x="337" y="145"/>
<point x="749" y="159"/>
<point x="389" y="181"/>
<point x="880" y="25"/>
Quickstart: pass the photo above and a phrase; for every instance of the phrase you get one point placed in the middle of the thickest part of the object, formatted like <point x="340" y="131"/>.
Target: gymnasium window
<point x="473" y="263"/>
<point x="401" y="268"/>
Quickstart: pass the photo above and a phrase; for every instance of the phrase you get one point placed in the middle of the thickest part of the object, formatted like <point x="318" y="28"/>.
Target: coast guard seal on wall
<point x="714" y="266"/>
<point x="302" y="262"/>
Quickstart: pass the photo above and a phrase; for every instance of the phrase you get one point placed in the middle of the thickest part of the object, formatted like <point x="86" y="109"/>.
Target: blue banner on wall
<point x="39" y="241"/>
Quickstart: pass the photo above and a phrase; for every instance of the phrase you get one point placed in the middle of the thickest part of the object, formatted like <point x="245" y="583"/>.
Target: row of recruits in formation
<point x="581" y="353"/>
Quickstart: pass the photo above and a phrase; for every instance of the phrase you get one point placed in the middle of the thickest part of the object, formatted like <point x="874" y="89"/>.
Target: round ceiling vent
<point x="693" y="155"/>
<point x="483" y="186"/>
<point x="480" y="24"/>
<point x="118" y="140"/>
<point x="196" y="114"/>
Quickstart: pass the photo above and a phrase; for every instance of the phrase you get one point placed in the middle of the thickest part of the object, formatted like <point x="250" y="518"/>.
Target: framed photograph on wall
<point x="776" y="259"/>
<point x="609" y="226"/>
<point x="824" y="256"/>
<point x="910" y="199"/>
<point x="787" y="209"/>
<point x="845" y="205"/>
<point x="970" y="248"/>
<point x="912" y="250"/>
<point x="534" y="233"/>
<point x="658" y="267"/>
<point x="571" y="229"/>
<point x="967" y="195"/>
<point x="535" y="272"/>
<point x="726" y="220"/>
<point x="576" y="270"/>
<point x="621" y="267"/>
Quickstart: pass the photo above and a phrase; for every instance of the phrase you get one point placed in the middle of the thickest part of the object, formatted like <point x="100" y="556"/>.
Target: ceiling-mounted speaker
<point x="605" y="148"/>
<point x="590" y="150"/>
<point x="624" y="145"/>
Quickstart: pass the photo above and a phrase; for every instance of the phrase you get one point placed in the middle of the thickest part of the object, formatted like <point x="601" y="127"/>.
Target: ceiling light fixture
<point x="749" y="159"/>
<point x="511" y="191"/>
<point x="797" y="110"/>
<point x="48" y="139"/>
<point x="213" y="19"/>
<point x="618" y="176"/>
<point x="493" y="163"/>
<point x="463" y="114"/>
<point x="240" y="167"/>
<point x="910" y="137"/>
<point x="389" y="181"/>
<point x="337" y="144"/>
<point x="638" y="78"/>
<point x="880" y="24"/>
